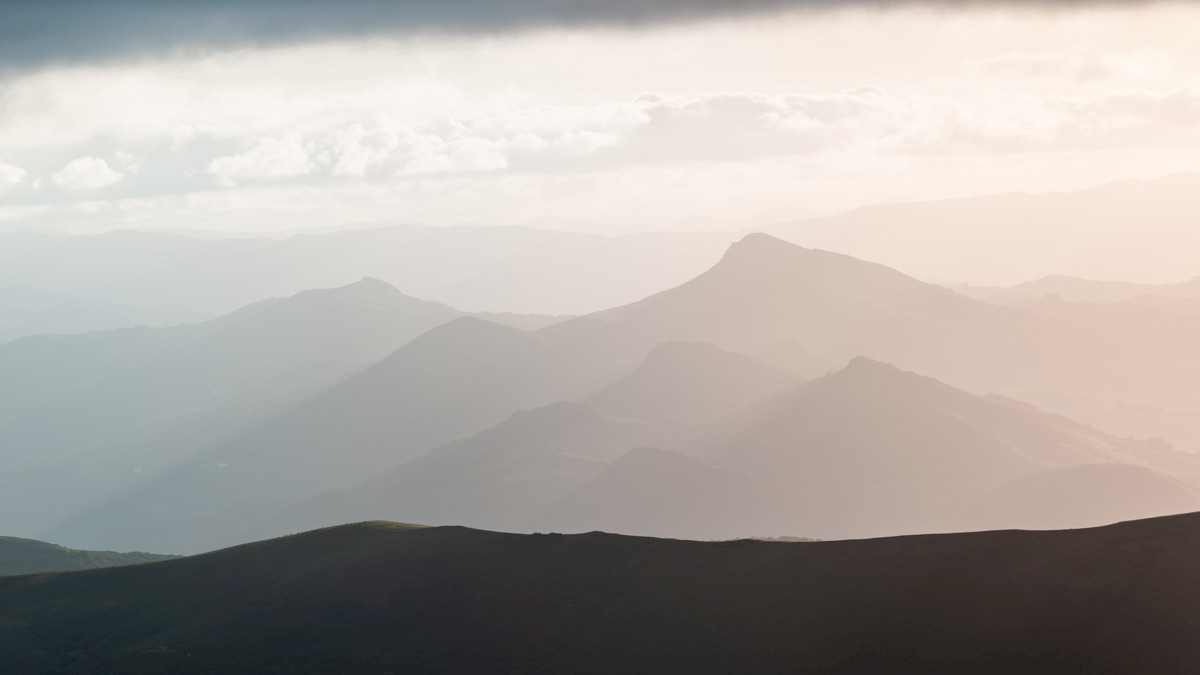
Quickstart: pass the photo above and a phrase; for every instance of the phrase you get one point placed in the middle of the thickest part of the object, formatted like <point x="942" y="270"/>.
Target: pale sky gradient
<point x="718" y="123"/>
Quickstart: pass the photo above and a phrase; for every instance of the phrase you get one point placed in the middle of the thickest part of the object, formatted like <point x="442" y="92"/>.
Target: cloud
<point x="733" y="127"/>
<point x="662" y="130"/>
<point x="10" y="176"/>
<point x="1077" y="67"/>
<point x="86" y="174"/>
<point x="271" y="158"/>
<point x="358" y="149"/>
<point x="39" y="33"/>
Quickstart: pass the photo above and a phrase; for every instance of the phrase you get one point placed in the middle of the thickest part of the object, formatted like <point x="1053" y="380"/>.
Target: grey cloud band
<point x="33" y="34"/>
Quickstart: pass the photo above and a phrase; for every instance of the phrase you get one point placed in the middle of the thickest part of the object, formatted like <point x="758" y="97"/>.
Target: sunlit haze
<point x="599" y="336"/>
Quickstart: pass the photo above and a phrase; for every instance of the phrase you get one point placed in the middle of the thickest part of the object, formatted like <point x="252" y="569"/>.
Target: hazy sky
<point x="670" y="113"/>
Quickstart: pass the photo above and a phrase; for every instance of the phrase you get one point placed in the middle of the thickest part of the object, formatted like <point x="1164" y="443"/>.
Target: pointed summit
<point x="765" y="291"/>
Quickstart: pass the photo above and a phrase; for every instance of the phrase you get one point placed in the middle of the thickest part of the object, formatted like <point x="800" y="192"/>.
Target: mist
<point x="532" y="336"/>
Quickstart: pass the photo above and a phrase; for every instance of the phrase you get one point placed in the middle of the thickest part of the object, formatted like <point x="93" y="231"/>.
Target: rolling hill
<point x="377" y="597"/>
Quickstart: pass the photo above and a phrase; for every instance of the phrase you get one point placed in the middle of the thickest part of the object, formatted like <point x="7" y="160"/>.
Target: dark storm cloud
<point x="36" y="33"/>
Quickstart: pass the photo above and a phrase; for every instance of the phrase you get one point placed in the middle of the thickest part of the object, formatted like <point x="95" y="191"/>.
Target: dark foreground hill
<point x="26" y="556"/>
<point x="382" y="597"/>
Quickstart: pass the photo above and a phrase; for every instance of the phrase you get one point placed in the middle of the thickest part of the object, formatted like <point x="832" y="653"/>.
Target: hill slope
<point x="27" y="556"/>
<point x="378" y="596"/>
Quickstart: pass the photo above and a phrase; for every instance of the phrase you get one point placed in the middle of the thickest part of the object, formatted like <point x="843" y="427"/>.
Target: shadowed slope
<point x="376" y="596"/>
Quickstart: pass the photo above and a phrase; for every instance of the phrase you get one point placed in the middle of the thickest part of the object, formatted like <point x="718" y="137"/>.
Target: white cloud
<point x="358" y="149"/>
<point x="129" y="162"/>
<point x="10" y="176"/>
<point x="86" y="174"/>
<point x="270" y="158"/>
<point x="742" y="127"/>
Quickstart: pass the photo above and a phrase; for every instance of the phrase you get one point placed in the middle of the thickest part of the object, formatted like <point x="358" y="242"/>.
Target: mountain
<point x="872" y="450"/>
<point x="377" y="597"/>
<point x="663" y="493"/>
<point x="27" y="556"/>
<point x="504" y="476"/>
<point x="865" y="451"/>
<point x="687" y="381"/>
<point x="497" y="269"/>
<point x="1080" y="496"/>
<point x="499" y="478"/>
<point x="26" y="311"/>
<point x="468" y="375"/>
<point x="140" y="400"/>
<point x="1141" y="230"/>
<point x="894" y="450"/>
<point x="453" y="381"/>
<point x="1074" y="289"/>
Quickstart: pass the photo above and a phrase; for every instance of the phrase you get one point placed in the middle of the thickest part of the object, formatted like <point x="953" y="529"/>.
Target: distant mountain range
<point x="27" y="556"/>
<point x="500" y="269"/>
<point x="866" y="451"/>
<point x="380" y="597"/>
<point x="84" y="416"/>
<point x="1073" y="289"/>
<point x="26" y="311"/>
<point x="671" y="395"/>
<point x="1141" y="230"/>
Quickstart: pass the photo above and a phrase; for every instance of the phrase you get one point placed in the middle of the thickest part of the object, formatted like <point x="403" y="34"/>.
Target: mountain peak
<point x="866" y="364"/>
<point x="863" y="369"/>
<point x="759" y="243"/>
<point x="758" y="253"/>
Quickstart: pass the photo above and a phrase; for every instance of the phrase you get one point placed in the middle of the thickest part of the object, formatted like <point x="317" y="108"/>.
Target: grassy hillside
<point x="27" y="556"/>
<point x="378" y="597"/>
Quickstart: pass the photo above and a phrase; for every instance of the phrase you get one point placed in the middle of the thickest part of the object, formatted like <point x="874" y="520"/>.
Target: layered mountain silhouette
<point x="866" y="451"/>
<point x="28" y="556"/>
<point x="506" y="476"/>
<point x="939" y="446"/>
<point x="113" y="408"/>
<point x="498" y="269"/>
<point x="375" y="597"/>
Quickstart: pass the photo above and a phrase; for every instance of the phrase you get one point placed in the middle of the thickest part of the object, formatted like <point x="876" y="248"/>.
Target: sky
<point x="612" y="116"/>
